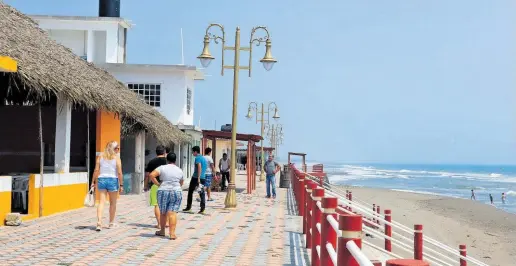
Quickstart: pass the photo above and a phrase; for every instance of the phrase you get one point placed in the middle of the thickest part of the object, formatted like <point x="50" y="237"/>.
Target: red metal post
<point x="376" y="263"/>
<point x="374" y="210"/>
<point x="249" y="168"/>
<point x="350" y="200"/>
<point x="462" y="250"/>
<point x="296" y="185"/>
<point x="301" y="191"/>
<point x="406" y="262"/>
<point x="388" y="230"/>
<point x="351" y="229"/>
<point x="309" y="212"/>
<point x="307" y="194"/>
<point x="378" y="212"/>
<point x="317" y="195"/>
<point x="328" y="235"/>
<point x="418" y="242"/>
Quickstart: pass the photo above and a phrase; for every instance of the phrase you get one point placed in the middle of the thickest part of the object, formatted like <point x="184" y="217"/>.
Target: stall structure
<point x="213" y="136"/>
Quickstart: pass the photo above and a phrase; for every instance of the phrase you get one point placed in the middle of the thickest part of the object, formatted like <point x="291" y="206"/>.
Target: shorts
<point x="208" y="179"/>
<point x="108" y="183"/>
<point x="153" y="194"/>
<point x="169" y="200"/>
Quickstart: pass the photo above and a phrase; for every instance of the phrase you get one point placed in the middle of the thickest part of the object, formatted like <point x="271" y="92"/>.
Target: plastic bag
<point x="89" y="200"/>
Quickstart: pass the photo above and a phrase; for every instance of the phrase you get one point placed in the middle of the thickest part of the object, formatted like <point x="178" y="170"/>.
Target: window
<point x="188" y="100"/>
<point x="150" y="93"/>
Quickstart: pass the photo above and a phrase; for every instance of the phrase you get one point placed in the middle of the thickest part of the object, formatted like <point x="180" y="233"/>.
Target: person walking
<point x="210" y="171"/>
<point x="169" y="194"/>
<point x="198" y="180"/>
<point x="151" y="166"/>
<point x="224" y="165"/>
<point x="473" y="195"/>
<point x="271" y="167"/>
<point x="491" y="198"/>
<point x="503" y="197"/>
<point x="108" y="177"/>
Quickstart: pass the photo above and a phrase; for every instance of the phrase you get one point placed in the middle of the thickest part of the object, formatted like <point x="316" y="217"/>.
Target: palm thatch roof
<point x="47" y="69"/>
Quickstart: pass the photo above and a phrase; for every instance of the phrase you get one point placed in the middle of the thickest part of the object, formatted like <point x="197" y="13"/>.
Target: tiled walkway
<point x="259" y="232"/>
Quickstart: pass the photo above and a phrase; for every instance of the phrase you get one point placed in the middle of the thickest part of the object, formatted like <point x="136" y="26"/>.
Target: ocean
<point x="447" y="180"/>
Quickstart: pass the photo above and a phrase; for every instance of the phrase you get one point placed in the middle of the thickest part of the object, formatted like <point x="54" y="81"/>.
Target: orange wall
<point x="5" y="205"/>
<point x="108" y="129"/>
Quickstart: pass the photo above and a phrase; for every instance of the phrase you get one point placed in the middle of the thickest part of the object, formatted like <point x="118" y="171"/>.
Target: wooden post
<point x="41" y="158"/>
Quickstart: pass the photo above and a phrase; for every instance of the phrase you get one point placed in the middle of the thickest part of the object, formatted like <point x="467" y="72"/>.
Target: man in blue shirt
<point x="198" y="180"/>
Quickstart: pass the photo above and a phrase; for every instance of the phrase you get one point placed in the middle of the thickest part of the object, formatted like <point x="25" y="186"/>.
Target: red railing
<point x="321" y="208"/>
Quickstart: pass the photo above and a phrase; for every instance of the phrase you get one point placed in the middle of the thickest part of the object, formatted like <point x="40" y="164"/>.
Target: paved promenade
<point x="260" y="232"/>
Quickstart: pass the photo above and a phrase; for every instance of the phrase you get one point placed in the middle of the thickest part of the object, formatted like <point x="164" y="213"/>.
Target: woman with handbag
<point x="108" y="177"/>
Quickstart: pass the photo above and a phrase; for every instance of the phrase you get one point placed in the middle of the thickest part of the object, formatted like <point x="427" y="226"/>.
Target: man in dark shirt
<point x="151" y="166"/>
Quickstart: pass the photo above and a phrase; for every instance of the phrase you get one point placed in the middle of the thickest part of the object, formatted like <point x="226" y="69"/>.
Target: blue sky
<point x="429" y="81"/>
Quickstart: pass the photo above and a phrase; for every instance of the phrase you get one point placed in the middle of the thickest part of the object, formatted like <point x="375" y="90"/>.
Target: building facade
<point x="168" y="88"/>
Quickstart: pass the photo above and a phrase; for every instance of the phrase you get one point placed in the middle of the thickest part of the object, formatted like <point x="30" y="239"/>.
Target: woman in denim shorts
<point x="169" y="194"/>
<point x="108" y="179"/>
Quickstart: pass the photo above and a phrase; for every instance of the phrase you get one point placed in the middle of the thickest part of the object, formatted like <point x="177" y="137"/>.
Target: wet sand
<point x="488" y="232"/>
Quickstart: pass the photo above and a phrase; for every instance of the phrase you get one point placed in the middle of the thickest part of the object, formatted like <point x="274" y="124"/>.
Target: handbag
<point x="89" y="200"/>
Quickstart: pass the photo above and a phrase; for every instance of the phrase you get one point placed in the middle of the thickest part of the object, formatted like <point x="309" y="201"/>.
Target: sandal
<point x="173" y="237"/>
<point x="159" y="233"/>
<point x="113" y="225"/>
<point x="99" y="228"/>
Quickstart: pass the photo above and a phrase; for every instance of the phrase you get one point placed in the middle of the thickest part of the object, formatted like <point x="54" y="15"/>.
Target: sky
<point x="427" y="81"/>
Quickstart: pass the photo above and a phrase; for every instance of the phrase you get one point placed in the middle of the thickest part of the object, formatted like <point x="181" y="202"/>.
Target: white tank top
<point x="224" y="165"/>
<point x="107" y="168"/>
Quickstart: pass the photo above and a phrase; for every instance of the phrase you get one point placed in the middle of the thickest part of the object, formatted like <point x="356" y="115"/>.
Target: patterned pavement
<point x="259" y="232"/>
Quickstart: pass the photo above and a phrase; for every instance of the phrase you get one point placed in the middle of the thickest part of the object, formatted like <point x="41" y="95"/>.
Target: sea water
<point x="447" y="180"/>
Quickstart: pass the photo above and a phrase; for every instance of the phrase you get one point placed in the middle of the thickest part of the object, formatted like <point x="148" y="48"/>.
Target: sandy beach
<point x="488" y="232"/>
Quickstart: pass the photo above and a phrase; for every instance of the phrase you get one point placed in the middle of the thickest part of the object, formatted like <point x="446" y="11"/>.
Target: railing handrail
<point x="333" y="191"/>
<point x="357" y="254"/>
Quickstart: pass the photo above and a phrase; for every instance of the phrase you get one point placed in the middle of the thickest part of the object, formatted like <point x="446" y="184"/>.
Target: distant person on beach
<point x="491" y="198"/>
<point x="473" y="195"/>
<point x="224" y="165"/>
<point x="198" y="180"/>
<point x="271" y="167"/>
<point x="107" y="176"/>
<point x="160" y="160"/>
<point x="210" y="171"/>
<point x="169" y="194"/>
<point x="503" y="197"/>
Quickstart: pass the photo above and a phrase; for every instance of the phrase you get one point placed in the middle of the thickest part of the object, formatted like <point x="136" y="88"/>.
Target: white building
<point x="169" y="88"/>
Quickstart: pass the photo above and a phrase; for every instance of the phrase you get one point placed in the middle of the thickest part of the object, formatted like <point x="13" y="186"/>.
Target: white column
<point x="63" y="134"/>
<point x="112" y="45"/>
<point x="177" y="151"/>
<point x="178" y="155"/>
<point x="90" y="49"/>
<point x="139" y="162"/>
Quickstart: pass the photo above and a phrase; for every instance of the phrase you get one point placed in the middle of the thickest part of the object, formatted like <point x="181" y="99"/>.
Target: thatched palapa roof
<point x="46" y="68"/>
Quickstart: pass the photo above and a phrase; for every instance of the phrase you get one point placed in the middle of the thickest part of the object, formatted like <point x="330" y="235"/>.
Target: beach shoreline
<point x="488" y="232"/>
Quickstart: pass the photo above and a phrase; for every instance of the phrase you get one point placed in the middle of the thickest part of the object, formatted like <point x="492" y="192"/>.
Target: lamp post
<point x="270" y="107"/>
<point x="206" y="58"/>
<point x="275" y="136"/>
